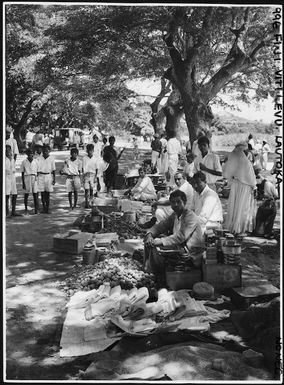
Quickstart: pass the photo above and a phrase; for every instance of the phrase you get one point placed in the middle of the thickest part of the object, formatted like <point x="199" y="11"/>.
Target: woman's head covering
<point x="239" y="167"/>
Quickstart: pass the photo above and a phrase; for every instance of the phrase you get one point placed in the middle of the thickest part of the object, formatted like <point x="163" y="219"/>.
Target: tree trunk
<point x="19" y="127"/>
<point x="158" y="116"/>
<point x="173" y="115"/>
<point x="19" y="138"/>
<point x="198" y="117"/>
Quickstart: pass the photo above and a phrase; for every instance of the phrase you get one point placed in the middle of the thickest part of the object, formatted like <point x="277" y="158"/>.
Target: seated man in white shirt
<point x="206" y="203"/>
<point x="164" y="209"/>
<point x="208" y="163"/>
<point x="144" y="188"/>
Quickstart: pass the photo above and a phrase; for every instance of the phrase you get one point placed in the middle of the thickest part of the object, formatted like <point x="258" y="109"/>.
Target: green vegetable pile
<point x="121" y="271"/>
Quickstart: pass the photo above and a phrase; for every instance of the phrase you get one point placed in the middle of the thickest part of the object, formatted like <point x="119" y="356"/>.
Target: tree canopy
<point x="58" y="56"/>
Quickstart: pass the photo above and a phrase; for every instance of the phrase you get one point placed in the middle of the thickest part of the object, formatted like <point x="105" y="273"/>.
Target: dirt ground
<point x="33" y="299"/>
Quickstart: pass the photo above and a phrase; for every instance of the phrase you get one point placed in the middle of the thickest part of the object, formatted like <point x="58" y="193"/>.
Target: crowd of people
<point x="96" y="171"/>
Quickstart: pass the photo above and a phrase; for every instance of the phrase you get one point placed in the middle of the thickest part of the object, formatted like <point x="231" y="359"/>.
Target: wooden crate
<point x="222" y="276"/>
<point x="129" y="205"/>
<point x="177" y="280"/>
<point x="73" y="244"/>
<point x="243" y="297"/>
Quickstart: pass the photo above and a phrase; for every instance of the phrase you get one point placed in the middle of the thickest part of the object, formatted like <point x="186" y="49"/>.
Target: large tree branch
<point x="26" y="113"/>
<point x="235" y="60"/>
<point x="165" y="88"/>
<point x="173" y="51"/>
<point x="205" y="27"/>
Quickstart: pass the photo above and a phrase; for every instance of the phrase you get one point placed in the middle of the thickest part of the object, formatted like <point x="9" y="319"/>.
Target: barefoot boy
<point x="72" y="169"/>
<point x="46" y="177"/>
<point x="90" y="174"/>
<point x="29" y="179"/>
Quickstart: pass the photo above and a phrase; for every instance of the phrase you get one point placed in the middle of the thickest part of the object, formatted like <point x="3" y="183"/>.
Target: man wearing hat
<point x="12" y="142"/>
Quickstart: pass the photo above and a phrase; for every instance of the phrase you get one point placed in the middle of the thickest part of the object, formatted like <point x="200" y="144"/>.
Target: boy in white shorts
<point x="29" y="179"/>
<point x="10" y="181"/>
<point x="46" y="177"/>
<point x="72" y="169"/>
<point x="90" y="174"/>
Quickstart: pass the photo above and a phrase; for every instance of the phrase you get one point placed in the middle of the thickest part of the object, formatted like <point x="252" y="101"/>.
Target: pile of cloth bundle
<point x="129" y="311"/>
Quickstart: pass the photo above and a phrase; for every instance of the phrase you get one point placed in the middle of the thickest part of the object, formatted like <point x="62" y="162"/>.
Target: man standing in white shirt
<point x="97" y="147"/>
<point x="206" y="203"/>
<point x="164" y="154"/>
<point x="29" y="179"/>
<point x="174" y="151"/>
<point x="208" y="163"/>
<point x="46" y="177"/>
<point x="12" y="143"/>
<point x="90" y="169"/>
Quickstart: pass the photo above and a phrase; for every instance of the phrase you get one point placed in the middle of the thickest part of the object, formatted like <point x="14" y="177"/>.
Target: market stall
<point x="112" y="298"/>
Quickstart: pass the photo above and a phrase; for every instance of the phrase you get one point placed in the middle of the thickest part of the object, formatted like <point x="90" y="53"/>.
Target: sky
<point x="261" y="111"/>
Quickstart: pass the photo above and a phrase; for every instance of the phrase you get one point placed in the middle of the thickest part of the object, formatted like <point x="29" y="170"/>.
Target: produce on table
<point x="121" y="271"/>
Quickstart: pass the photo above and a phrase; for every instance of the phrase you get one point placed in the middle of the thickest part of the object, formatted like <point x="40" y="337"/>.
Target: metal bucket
<point x="232" y="254"/>
<point x="90" y="256"/>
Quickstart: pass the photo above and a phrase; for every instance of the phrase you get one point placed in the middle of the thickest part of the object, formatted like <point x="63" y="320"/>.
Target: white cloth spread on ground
<point x="87" y="327"/>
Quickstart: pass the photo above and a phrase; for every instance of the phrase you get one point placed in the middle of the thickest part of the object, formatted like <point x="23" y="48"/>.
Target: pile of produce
<point x="124" y="229"/>
<point x="121" y="271"/>
<point x="112" y="223"/>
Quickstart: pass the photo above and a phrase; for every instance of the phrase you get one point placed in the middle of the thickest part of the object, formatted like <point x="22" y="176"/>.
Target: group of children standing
<point x="38" y="175"/>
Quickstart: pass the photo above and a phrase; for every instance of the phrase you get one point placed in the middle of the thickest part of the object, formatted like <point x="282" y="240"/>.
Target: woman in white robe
<point x="241" y="204"/>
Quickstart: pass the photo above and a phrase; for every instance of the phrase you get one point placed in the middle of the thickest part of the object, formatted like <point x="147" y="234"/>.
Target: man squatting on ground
<point x="185" y="230"/>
